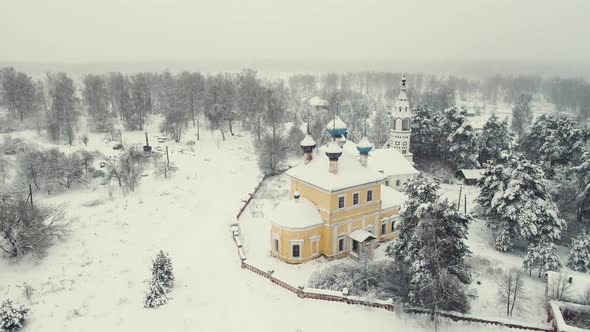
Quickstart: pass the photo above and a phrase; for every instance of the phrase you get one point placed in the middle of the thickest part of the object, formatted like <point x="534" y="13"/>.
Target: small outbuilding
<point x="470" y="176"/>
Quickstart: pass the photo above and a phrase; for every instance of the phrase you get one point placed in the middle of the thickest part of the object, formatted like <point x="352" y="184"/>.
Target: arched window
<point x="398" y="124"/>
<point x="406" y="124"/>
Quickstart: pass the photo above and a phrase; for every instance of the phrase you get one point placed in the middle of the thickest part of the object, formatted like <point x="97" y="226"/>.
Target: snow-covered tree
<point x="162" y="270"/>
<point x="17" y="92"/>
<point x="155" y="296"/>
<point x="294" y="138"/>
<point x="494" y="139"/>
<point x="437" y="252"/>
<point x="582" y="171"/>
<point x="431" y="243"/>
<point x="26" y="227"/>
<point x="424" y="132"/>
<point x="162" y="281"/>
<point x="463" y="149"/>
<point x="579" y="258"/>
<point x="96" y="98"/>
<point x="512" y="291"/>
<point x="12" y="318"/>
<point x="542" y="256"/>
<point x="64" y="113"/>
<point x="421" y="192"/>
<point x="552" y="140"/>
<point x="379" y="130"/>
<point x="517" y="204"/>
<point x="522" y="115"/>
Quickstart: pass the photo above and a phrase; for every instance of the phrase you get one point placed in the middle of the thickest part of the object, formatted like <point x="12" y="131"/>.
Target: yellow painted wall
<point x="286" y="235"/>
<point x="334" y="217"/>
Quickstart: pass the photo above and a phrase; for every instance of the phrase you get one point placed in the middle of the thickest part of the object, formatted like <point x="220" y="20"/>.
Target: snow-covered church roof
<point x="350" y="172"/>
<point x="391" y="198"/>
<point x="390" y="162"/>
<point x="296" y="213"/>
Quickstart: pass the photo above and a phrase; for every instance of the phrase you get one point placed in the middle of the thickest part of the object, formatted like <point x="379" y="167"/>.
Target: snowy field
<point x="95" y="279"/>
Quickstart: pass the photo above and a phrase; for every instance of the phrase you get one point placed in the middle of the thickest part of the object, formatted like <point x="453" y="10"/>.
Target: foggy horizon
<point x="76" y="32"/>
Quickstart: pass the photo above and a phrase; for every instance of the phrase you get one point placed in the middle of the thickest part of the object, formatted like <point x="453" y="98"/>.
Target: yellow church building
<point x="337" y="205"/>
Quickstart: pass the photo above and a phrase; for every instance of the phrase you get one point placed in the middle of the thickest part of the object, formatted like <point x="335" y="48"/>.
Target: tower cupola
<point x="307" y="145"/>
<point x="333" y="152"/>
<point x="336" y="127"/>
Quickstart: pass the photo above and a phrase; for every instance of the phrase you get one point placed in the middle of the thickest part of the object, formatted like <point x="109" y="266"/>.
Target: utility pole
<point x="31" y="196"/>
<point x="459" y="201"/>
<point x="465" y="204"/>
<point x="167" y="157"/>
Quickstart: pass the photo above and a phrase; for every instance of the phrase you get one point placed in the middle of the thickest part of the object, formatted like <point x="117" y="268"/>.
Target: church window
<point x="341" y="202"/>
<point x="296" y="250"/>
<point x="369" y="195"/>
<point x="341" y="245"/>
<point x="383" y="229"/>
<point x="355" y="199"/>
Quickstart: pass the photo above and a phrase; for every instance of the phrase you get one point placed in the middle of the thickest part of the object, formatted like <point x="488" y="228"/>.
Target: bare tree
<point x="27" y="228"/>
<point x="511" y="291"/>
<point x="96" y="99"/>
<point x="17" y="92"/>
<point x="558" y="287"/>
<point x="64" y="113"/>
<point x="127" y="169"/>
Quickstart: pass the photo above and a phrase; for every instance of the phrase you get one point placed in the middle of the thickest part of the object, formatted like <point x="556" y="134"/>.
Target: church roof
<point x="350" y="172"/>
<point x="390" y="162"/>
<point x="391" y="198"/>
<point x="296" y="213"/>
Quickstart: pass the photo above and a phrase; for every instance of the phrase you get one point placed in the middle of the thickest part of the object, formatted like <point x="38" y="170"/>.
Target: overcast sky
<point x="147" y="30"/>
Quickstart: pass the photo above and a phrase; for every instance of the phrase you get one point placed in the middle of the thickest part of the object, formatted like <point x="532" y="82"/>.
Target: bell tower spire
<point x="401" y="119"/>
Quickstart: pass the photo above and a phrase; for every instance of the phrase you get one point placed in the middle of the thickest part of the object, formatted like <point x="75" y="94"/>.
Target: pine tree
<point x="579" y="258"/>
<point x="155" y="295"/>
<point x="542" y="256"/>
<point x="11" y="317"/>
<point x="431" y="245"/>
<point x="421" y="193"/>
<point x="463" y="148"/>
<point x="522" y="115"/>
<point x="517" y="203"/>
<point x="162" y="270"/>
<point x="423" y="134"/>
<point x="583" y="180"/>
<point x="495" y="138"/>
<point x="437" y="252"/>
<point x="552" y="140"/>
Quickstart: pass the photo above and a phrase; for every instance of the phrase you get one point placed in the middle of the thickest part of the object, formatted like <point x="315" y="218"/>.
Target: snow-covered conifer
<point x="437" y="252"/>
<point x="494" y="139"/>
<point x="162" y="270"/>
<point x="12" y="318"/>
<point x="463" y="148"/>
<point x="155" y="295"/>
<point x="542" y="256"/>
<point x="517" y="203"/>
<point x="421" y="193"/>
<point x="579" y="258"/>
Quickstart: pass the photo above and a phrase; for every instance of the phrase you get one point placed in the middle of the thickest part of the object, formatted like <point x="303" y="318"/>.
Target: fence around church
<point x="335" y="296"/>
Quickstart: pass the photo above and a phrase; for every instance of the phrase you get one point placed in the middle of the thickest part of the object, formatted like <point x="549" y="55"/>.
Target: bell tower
<point x="400" y="127"/>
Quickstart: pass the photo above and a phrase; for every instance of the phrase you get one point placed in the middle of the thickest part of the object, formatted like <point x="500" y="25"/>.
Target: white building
<point x="401" y="119"/>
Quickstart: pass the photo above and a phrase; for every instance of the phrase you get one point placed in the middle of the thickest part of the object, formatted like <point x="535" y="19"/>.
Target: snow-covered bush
<point x="25" y="229"/>
<point x="12" y="146"/>
<point x="12" y="318"/>
<point x="381" y="277"/>
<point x="579" y="258"/>
<point x="542" y="256"/>
<point x="127" y="168"/>
<point x="161" y="283"/>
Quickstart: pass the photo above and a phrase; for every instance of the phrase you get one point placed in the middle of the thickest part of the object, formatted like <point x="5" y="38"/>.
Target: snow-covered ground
<point x="96" y="278"/>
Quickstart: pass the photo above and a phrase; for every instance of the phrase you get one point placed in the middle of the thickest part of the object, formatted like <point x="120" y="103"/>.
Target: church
<point x="344" y="196"/>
